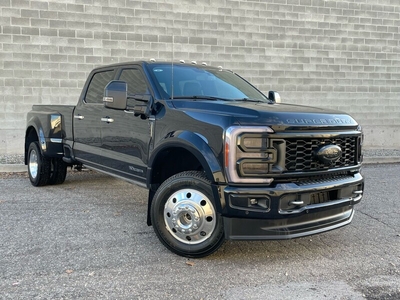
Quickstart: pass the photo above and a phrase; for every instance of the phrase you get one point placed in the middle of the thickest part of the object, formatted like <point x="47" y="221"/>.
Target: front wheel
<point x="39" y="167"/>
<point x="184" y="216"/>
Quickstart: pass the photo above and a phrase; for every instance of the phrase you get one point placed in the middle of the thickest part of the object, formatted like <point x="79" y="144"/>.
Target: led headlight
<point x="248" y="158"/>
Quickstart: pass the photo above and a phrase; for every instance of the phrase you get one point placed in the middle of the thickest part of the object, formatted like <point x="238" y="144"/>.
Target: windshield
<point x="203" y="83"/>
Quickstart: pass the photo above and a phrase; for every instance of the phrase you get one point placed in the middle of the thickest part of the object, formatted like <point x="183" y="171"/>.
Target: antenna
<point x="172" y="67"/>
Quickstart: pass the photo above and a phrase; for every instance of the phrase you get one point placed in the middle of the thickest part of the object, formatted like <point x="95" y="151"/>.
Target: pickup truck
<point x="220" y="159"/>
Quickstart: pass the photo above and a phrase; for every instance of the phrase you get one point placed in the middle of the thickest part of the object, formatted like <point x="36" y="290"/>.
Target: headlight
<point x="248" y="157"/>
<point x="251" y="167"/>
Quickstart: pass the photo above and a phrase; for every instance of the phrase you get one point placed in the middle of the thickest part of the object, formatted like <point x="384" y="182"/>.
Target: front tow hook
<point x="358" y="196"/>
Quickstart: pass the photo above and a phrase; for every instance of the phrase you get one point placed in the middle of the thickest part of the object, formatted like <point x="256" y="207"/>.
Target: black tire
<point x="184" y="217"/>
<point x="38" y="165"/>
<point x="58" y="171"/>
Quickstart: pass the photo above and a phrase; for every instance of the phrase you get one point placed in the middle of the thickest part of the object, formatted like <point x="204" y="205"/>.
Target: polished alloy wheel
<point x="189" y="216"/>
<point x="184" y="215"/>
<point x="33" y="163"/>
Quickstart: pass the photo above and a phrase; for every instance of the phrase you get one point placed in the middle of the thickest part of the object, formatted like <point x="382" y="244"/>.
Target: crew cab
<point x="220" y="159"/>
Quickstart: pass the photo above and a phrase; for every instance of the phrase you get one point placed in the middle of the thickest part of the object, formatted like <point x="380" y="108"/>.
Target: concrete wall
<point x="337" y="54"/>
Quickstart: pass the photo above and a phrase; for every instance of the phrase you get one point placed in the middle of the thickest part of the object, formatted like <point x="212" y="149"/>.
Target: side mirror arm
<point x="142" y="110"/>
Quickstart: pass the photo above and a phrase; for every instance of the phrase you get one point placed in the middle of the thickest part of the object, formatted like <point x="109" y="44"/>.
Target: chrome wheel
<point x="184" y="215"/>
<point x="39" y="167"/>
<point x="189" y="216"/>
<point x="33" y="163"/>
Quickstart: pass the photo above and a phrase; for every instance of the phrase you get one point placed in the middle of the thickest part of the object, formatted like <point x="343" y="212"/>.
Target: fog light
<point x="250" y="203"/>
<point x="253" y="201"/>
<point x="263" y="203"/>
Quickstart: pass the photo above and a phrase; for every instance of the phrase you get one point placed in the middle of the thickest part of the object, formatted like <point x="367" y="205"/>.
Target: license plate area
<point x="323" y="197"/>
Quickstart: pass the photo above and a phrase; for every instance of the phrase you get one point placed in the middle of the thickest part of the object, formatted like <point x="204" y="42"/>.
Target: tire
<point x="184" y="217"/>
<point x="58" y="171"/>
<point x="38" y="166"/>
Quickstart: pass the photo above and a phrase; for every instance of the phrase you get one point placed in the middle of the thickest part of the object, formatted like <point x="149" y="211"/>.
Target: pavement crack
<point x="376" y="219"/>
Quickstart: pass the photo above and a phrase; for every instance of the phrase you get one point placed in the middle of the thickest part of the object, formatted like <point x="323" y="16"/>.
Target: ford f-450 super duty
<point x="220" y="159"/>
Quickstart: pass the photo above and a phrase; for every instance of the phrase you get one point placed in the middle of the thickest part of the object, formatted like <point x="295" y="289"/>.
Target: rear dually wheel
<point x="39" y="167"/>
<point x="58" y="171"/>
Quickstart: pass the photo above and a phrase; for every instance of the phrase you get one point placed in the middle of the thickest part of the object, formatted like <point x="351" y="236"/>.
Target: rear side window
<point x="95" y="91"/>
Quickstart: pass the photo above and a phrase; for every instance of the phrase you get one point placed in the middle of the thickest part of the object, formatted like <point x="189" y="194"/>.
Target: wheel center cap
<point x="186" y="217"/>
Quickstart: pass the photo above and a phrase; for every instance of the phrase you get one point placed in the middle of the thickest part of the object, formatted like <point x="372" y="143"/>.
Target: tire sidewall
<point x="59" y="171"/>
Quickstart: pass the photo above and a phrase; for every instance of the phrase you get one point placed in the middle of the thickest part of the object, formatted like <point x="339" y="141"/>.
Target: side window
<point x="95" y="91"/>
<point x="136" y="82"/>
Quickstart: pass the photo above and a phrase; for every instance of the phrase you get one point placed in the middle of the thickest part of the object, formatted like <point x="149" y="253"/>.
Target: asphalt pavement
<point x="88" y="239"/>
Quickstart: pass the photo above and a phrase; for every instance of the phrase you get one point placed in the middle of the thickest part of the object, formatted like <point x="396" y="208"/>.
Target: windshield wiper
<point x="249" y="100"/>
<point x="201" y="97"/>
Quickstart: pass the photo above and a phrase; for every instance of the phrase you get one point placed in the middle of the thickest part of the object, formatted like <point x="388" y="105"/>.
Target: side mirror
<point x="116" y="94"/>
<point x="142" y="110"/>
<point x="274" y="97"/>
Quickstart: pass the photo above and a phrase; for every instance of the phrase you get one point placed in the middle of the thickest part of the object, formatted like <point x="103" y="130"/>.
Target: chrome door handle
<point x="79" y="117"/>
<point x="108" y="120"/>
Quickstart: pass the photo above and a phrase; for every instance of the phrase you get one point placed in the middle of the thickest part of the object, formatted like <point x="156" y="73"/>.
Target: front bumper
<point x="290" y="210"/>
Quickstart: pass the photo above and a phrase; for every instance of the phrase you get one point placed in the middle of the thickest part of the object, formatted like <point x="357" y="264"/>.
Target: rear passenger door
<point x="125" y="140"/>
<point x="87" y="118"/>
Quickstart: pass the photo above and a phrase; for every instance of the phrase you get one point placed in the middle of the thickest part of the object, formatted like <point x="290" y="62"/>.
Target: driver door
<point x="126" y="137"/>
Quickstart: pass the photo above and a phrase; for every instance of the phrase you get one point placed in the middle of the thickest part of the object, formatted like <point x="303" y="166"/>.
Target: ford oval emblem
<point x="329" y="154"/>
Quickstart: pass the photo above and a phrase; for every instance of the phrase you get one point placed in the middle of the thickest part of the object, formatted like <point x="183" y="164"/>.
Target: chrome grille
<point x="300" y="153"/>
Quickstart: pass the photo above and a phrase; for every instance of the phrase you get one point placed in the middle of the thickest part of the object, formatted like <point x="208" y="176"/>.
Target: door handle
<point x="107" y="119"/>
<point x="79" y="117"/>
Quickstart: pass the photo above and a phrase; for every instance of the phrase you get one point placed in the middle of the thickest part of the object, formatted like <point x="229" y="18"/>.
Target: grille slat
<point x="300" y="153"/>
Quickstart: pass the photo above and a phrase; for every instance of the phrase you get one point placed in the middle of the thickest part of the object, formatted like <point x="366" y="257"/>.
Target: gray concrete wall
<point x="337" y="54"/>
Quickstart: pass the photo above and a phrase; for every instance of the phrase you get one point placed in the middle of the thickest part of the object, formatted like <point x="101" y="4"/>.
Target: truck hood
<point x="278" y="116"/>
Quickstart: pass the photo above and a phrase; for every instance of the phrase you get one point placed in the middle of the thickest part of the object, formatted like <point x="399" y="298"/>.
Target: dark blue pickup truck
<point x="220" y="159"/>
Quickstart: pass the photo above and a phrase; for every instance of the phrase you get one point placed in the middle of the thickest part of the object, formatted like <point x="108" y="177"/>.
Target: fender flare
<point x="46" y="141"/>
<point x="196" y="144"/>
<point x="35" y="123"/>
